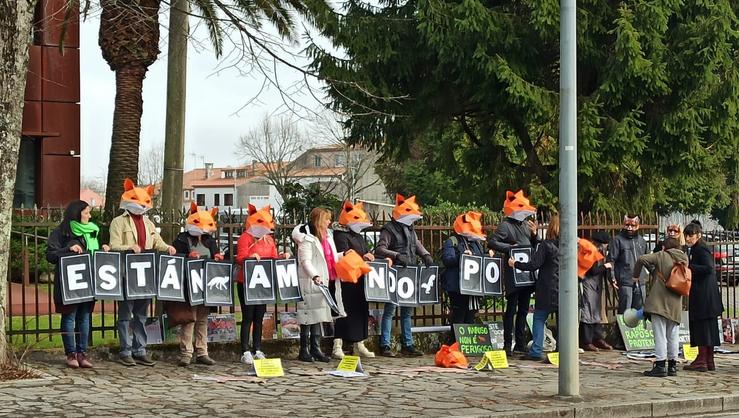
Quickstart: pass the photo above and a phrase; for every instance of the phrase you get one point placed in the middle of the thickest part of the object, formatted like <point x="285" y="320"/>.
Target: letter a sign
<point x="259" y="288"/>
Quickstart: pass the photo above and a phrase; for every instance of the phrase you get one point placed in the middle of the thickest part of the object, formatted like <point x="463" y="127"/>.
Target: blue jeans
<point x="537" y="334"/>
<point x="132" y="313"/>
<point x="386" y="326"/>
<point x="75" y="328"/>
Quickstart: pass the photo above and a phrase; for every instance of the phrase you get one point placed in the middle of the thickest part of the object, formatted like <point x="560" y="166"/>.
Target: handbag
<point x="179" y="313"/>
<point x="680" y="279"/>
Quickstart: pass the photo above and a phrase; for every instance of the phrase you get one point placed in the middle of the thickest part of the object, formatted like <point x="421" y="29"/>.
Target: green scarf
<point x="86" y="231"/>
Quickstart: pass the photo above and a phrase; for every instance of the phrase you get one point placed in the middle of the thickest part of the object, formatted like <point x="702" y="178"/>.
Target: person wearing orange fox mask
<point x="399" y="242"/>
<point x="256" y="242"/>
<point x="133" y="231"/>
<point x="517" y="229"/>
<point x="197" y="241"/>
<point x="468" y="238"/>
<point x="347" y="236"/>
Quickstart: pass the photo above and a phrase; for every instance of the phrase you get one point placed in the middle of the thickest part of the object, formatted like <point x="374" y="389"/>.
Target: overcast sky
<point x="216" y="115"/>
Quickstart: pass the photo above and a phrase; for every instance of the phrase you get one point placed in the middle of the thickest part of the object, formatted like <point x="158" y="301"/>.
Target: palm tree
<point x="129" y="40"/>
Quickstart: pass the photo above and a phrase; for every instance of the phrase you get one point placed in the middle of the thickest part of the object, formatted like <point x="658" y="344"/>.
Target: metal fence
<point x="31" y="316"/>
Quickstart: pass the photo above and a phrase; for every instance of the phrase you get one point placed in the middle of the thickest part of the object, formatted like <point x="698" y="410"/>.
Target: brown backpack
<point x="679" y="280"/>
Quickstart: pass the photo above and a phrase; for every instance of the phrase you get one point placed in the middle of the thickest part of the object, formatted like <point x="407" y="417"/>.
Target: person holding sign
<point x="317" y="257"/>
<point x="467" y="239"/>
<point x="196" y="241"/>
<point x="517" y="229"/>
<point x="75" y="235"/>
<point x="354" y="328"/>
<point x="705" y="305"/>
<point x="663" y="307"/>
<point x="546" y="260"/>
<point x="399" y="242"/>
<point x="133" y="231"/>
<point x="255" y="243"/>
<point x="592" y="269"/>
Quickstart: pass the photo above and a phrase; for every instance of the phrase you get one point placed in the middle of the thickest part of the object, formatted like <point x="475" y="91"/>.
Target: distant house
<point x="92" y="198"/>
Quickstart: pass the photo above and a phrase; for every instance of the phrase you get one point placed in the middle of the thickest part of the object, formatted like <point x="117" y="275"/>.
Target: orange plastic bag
<point x="450" y="356"/>
<point x="587" y="255"/>
<point x="351" y="267"/>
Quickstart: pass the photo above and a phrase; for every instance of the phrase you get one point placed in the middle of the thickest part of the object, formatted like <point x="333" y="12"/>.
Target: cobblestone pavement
<point x="611" y="386"/>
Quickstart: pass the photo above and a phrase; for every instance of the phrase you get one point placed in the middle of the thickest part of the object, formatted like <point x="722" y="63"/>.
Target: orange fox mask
<point x="587" y="255"/>
<point x="406" y="211"/>
<point x="136" y="200"/>
<point x="469" y="226"/>
<point x="354" y="217"/>
<point x="201" y="221"/>
<point x="260" y="222"/>
<point x="517" y="206"/>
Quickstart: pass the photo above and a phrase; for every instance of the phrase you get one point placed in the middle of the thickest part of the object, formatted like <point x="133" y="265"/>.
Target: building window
<point x="339" y="160"/>
<point x="201" y="199"/>
<point x="228" y="199"/>
<point x="241" y="174"/>
<point x="187" y="194"/>
<point x="317" y="160"/>
<point x="229" y="174"/>
<point x="25" y="178"/>
<point x="216" y="199"/>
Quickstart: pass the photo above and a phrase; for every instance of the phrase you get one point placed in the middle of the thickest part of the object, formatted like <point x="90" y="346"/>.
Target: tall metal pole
<point x="569" y="369"/>
<point x="174" y="131"/>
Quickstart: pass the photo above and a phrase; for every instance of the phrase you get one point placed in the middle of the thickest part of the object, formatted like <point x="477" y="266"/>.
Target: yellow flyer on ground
<point x="349" y="364"/>
<point x="690" y="353"/>
<point x="498" y="359"/>
<point x="553" y="358"/>
<point x="484" y="363"/>
<point x="269" y="367"/>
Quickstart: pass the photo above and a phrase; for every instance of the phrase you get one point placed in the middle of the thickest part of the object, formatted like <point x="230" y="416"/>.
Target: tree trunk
<point x="124" y="148"/>
<point x="16" y="21"/>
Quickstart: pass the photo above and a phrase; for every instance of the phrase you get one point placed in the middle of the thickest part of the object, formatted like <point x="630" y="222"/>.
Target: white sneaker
<point x="337" y="352"/>
<point x="247" y="358"/>
<point x="259" y="355"/>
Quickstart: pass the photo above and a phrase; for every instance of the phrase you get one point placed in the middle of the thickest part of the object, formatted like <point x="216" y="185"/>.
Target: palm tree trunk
<point x="124" y="147"/>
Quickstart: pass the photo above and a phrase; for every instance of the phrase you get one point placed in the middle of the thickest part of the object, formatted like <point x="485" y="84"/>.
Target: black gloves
<point x="428" y="260"/>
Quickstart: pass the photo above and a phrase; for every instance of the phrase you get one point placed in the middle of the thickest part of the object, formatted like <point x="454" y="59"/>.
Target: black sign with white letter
<point x="392" y="288"/>
<point x="107" y="275"/>
<point x="407" y="286"/>
<point x="259" y="285"/>
<point x="141" y="282"/>
<point x="427" y="285"/>
<point x="195" y="276"/>
<point x="171" y="278"/>
<point x="492" y="276"/>
<point x="218" y="285"/>
<point x="76" y="279"/>
<point x="286" y="276"/>
<point x="522" y="278"/>
<point x="376" y="282"/>
<point x="470" y="275"/>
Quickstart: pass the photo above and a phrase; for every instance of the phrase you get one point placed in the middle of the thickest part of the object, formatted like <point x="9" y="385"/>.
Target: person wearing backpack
<point x="466" y="239"/>
<point x="704" y="304"/>
<point x="663" y="306"/>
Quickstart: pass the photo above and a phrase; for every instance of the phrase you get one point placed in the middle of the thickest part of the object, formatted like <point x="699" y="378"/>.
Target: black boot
<point x="672" y="367"/>
<point x="315" y="344"/>
<point x="659" y="370"/>
<point x="507" y="348"/>
<point x="304" y="353"/>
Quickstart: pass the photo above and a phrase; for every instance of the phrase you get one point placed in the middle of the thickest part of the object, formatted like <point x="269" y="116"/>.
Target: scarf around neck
<point x="89" y="232"/>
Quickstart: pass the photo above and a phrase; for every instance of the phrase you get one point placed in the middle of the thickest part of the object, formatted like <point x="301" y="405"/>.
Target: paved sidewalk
<point x="611" y="386"/>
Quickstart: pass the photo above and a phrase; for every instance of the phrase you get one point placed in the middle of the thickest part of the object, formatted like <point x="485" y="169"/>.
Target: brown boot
<point x="72" y="361"/>
<point x="700" y="362"/>
<point x="603" y="345"/>
<point x="83" y="361"/>
<point x="589" y="347"/>
<point x="710" y="364"/>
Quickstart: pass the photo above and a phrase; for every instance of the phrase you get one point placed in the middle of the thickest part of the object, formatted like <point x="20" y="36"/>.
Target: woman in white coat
<point x="317" y="259"/>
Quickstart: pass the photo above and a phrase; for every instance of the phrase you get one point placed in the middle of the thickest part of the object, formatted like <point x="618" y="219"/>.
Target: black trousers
<point x="517" y="306"/>
<point x="590" y="333"/>
<point x="252" y="317"/>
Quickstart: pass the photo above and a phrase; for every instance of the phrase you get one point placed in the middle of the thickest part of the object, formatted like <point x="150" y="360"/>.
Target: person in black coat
<point x="705" y="305"/>
<point x="75" y="235"/>
<point x="514" y="233"/>
<point x="546" y="260"/>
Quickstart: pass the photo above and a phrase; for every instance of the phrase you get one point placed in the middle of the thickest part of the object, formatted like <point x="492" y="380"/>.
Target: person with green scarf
<point x="75" y="235"/>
